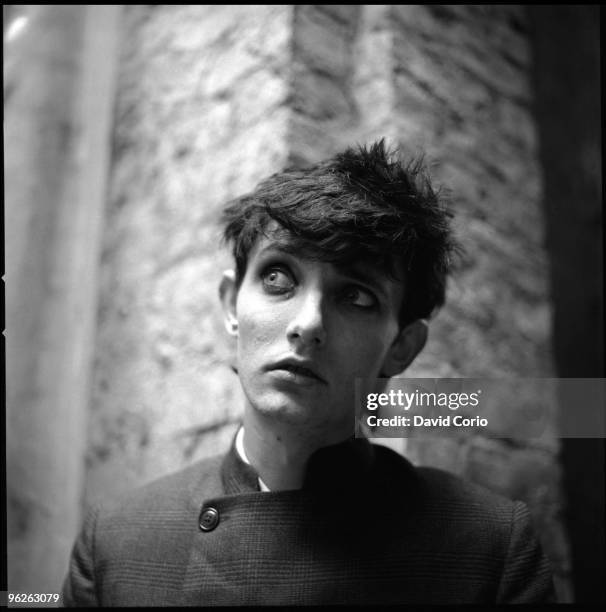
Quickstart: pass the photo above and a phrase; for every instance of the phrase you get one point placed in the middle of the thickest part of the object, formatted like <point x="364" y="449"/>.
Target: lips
<point x="297" y="367"/>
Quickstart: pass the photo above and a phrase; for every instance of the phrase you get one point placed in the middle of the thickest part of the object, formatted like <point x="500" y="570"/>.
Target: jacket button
<point x="209" y="519"/>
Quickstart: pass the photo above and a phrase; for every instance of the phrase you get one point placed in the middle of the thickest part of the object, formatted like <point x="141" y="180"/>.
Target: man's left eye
<point x="360" y="297"/>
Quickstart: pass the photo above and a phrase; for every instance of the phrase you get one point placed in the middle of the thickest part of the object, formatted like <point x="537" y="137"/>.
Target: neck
<point x="279" y="451"/>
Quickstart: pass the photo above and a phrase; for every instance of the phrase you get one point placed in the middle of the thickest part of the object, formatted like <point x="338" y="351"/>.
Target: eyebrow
<point x="356" y="273"/>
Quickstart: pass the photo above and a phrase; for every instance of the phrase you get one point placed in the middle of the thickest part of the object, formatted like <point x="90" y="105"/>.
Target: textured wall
<point x="201" y="116"/>
<point x="213" y="98"/>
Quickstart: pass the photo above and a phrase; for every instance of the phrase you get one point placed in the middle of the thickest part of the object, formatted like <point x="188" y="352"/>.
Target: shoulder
<point x="438" y="496"/>
<point x="134" y="533"/>
<point x="169" y="491"/>
<point x="167" y="505"/>
<point x="486" y="532"/>
<point x="441" y="486"/>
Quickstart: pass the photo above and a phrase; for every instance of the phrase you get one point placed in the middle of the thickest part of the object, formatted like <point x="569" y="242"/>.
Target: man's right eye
<point x="276" y="280"/>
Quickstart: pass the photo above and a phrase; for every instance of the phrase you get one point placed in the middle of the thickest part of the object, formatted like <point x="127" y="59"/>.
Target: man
<point x="337" y="269"/>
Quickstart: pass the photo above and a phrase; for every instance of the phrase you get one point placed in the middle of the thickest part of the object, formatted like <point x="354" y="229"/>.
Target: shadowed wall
<point x="567" y="101"/>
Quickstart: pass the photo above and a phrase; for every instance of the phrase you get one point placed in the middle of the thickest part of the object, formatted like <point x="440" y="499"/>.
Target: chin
<point x="306" y="416"/>
<point x="285" y="409"/>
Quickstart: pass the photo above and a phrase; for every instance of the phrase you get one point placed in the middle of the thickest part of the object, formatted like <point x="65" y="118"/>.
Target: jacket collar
<point x="333" y="468"/>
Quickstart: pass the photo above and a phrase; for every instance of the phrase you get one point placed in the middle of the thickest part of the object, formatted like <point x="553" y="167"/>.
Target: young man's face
<point x="307" y="329"/>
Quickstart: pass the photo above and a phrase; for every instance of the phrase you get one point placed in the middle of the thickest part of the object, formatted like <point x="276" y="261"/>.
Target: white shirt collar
<point x="240" y="450"/>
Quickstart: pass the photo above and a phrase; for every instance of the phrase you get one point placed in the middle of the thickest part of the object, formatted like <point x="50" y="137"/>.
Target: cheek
<point x="258" y="328"/>
<point x="363" y="352"/>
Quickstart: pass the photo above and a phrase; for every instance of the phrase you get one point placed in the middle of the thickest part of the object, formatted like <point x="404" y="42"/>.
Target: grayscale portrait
<point x="227" y="223"/>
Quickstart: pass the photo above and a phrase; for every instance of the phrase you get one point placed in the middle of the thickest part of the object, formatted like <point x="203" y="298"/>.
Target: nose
<point x="307" y="327"/>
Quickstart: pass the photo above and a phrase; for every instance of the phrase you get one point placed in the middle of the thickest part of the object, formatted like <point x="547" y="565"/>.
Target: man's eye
<point x="360" y="297"/>
<point x="277" y="281"/>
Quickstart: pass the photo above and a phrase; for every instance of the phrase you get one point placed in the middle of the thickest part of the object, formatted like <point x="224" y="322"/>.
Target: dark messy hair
<point x="364" y="204"/>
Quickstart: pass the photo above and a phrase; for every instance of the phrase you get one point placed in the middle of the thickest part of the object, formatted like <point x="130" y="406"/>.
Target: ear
<point x="228" y="293"/>
<point x="407" y="345"/>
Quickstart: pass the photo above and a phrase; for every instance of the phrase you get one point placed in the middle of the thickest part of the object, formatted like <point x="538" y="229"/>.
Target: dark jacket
<point x="366" y="528"/>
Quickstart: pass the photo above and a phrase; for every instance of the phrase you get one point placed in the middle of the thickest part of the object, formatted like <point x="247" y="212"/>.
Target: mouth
<point x="298" y="369"/>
